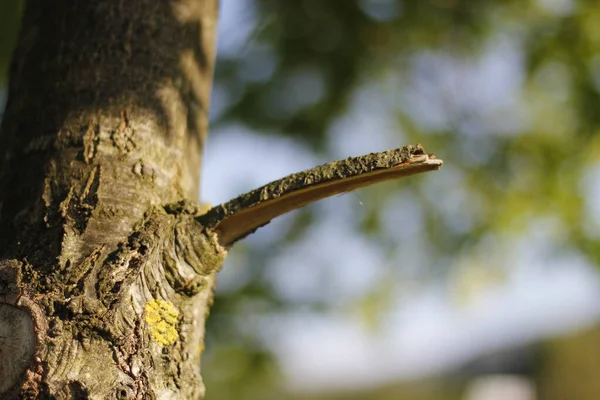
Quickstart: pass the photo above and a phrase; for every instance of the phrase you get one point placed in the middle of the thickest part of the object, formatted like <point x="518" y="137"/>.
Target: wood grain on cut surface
<point x="241" y="216"/>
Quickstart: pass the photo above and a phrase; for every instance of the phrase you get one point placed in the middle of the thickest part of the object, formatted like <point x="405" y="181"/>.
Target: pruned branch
<point x="241" y="216"/>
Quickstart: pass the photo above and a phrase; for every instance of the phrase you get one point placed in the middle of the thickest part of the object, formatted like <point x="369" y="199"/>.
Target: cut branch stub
<point x="241" y="216"/>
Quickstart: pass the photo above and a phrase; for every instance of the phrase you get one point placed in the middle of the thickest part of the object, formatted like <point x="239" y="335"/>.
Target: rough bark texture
<point x="104" y="288"/>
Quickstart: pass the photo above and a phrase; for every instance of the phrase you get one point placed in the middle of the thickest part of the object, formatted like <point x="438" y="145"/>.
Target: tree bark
<point x="107" y="263"/>
<point x="104" y="288"/>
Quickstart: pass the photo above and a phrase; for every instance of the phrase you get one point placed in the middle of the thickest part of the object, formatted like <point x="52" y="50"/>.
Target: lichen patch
<point x="161" y="316"/>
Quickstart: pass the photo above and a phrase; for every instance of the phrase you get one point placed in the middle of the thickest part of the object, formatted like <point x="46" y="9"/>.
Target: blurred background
<point x="477" y="282"/>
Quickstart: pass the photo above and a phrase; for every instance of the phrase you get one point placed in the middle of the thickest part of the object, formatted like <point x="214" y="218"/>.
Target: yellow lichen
<point x="161" y="317"/>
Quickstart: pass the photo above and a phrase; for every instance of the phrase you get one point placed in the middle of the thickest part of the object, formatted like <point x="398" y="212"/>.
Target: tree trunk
<point x="104" y="287"/>
<point x="107" y="265"/>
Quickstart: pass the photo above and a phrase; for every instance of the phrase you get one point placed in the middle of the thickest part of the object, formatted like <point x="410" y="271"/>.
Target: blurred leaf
<point x="10" y="19"/>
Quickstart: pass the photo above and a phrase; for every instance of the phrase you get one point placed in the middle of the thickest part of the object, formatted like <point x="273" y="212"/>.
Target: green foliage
<point x="10" y="12"/>
<point x="338" y="43"/>
<point x="570" y="366"/>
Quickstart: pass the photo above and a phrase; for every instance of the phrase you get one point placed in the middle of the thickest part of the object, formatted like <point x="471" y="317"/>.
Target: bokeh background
<point x="477" y="282"/>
